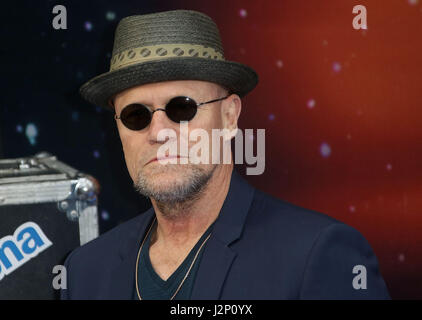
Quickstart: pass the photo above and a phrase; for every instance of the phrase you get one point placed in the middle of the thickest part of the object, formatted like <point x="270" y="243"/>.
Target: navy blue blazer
<point x="261" y="248"/>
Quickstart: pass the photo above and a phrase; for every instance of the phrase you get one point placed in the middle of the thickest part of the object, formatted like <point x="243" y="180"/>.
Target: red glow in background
<point x="342" y="113"/>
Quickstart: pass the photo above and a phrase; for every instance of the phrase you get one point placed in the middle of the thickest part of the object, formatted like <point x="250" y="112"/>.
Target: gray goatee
<point x="176" y="196"/>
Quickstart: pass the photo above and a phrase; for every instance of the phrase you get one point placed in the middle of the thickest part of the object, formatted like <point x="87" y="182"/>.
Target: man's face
<point x="172" y="182"/>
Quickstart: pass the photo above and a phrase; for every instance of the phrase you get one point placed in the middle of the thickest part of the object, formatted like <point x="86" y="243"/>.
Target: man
<point x="209" y="234"/>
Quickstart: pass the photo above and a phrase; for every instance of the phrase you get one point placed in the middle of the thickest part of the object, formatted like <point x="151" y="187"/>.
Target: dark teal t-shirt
<point x="152" y="287"/>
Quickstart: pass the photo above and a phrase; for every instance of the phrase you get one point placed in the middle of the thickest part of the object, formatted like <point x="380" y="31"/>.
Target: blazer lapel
<point x="218" y="256"/>
<point x="123" y="276"/>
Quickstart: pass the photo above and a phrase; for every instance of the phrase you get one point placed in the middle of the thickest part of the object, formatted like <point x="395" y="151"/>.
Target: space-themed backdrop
<point x="341" y="107"/>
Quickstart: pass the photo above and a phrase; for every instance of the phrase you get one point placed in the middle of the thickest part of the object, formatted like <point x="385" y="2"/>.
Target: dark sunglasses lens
<point x="136" y="116"/>
<point x="181" y="109"/>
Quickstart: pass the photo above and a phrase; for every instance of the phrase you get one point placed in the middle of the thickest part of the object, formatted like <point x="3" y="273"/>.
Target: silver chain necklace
<point x="184" y="278"/>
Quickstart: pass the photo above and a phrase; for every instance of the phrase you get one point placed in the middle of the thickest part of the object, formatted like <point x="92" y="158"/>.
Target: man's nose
<point x="159" y="122"/>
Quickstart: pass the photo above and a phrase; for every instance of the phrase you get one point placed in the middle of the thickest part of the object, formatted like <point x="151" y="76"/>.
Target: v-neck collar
<point x="182" y="268"/>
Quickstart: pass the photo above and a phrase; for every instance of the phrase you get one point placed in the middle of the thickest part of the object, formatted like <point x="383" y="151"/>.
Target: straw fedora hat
<point x="165" y="46"/>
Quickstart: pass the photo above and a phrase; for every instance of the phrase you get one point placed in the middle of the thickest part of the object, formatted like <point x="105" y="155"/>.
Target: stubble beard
<point x="177" y="196"/>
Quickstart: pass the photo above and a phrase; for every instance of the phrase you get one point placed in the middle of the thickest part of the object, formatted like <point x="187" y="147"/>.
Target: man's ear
<point x="111" y="102"/>
<point x="230" y="112"/>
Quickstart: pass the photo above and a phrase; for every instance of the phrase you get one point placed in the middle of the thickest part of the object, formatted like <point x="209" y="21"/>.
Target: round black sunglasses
<point x="137" y="116"/>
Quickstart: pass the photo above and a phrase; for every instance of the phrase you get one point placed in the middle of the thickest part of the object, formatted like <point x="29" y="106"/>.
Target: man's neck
<point x="188" y="226"/>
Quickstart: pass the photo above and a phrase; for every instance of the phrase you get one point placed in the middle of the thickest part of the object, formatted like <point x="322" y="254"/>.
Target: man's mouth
<point x="163" y="158"/>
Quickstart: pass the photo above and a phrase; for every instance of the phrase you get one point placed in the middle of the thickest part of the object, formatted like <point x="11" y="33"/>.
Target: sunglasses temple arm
<point x="200" y="104"/>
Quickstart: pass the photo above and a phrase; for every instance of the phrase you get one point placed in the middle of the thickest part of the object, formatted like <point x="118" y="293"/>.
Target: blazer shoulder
<point x="342" y="265"/>
<point x="275" y="210"/>
<point x="326" y="252"/>
<point x="286" y="229"/>
<point x="286" y="222"/>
